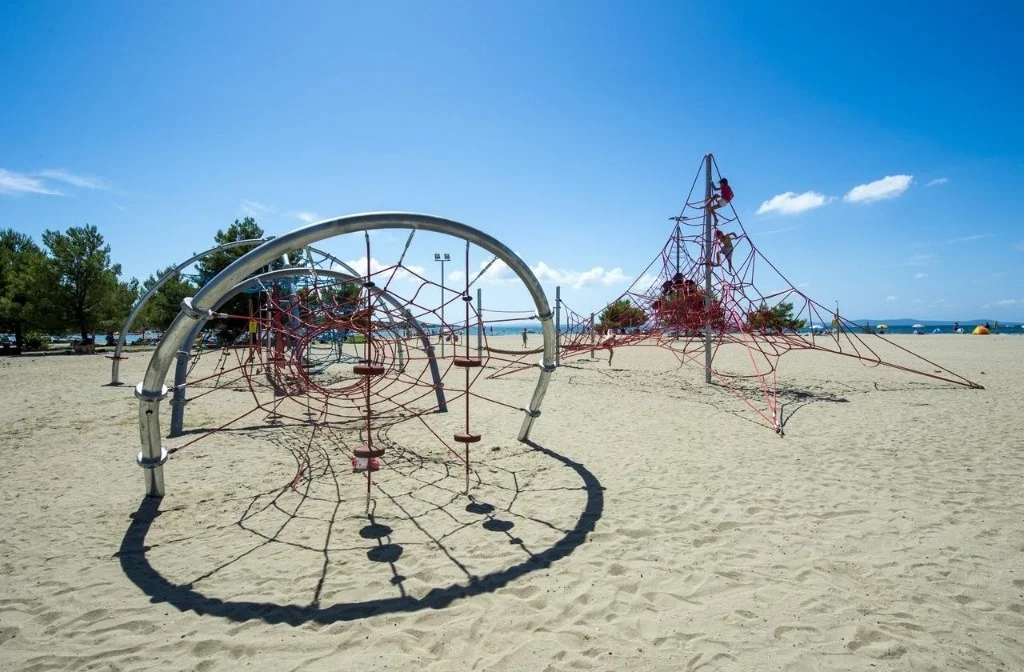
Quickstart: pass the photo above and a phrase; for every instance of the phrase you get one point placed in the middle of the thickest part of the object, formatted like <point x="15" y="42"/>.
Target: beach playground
<point x="653" y="526"/>
<point x="727" y="493"/>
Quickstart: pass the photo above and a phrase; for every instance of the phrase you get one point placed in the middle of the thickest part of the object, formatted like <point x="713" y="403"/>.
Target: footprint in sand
<point x="875" y="644"/>
<point x="794" y="631"/>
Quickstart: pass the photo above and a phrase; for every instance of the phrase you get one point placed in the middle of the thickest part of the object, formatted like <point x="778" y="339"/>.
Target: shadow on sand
<point x="136" y="566"/>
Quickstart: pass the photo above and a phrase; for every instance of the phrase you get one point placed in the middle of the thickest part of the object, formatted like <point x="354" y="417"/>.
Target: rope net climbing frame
<point x="710" y="289"/>
<point x="357" y="354"/>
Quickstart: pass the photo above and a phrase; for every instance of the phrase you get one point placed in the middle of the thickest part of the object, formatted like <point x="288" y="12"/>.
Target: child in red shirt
<point x="720" y="201"/>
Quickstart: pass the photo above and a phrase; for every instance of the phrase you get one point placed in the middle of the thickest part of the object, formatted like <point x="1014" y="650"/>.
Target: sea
<point x="101" y="339"/>
<point x="926" y="328"/>
<point x="514" y="329"/>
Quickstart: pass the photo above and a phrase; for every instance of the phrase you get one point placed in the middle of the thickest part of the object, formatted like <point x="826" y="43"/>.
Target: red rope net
<point x="359" y="357"/>
<point x="723" y="287"/>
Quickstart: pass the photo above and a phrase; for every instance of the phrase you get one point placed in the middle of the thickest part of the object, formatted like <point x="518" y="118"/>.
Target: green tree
<point x="165" y="304"/>
<point x="86" y="291"/>
<point x="778" y="318"/>
<point x="22" y="295"/>
<point x="621" y="314"/>
<point x="334" y="297"/>
<point x="120" y="299"/>
<point x="246" y="229"/>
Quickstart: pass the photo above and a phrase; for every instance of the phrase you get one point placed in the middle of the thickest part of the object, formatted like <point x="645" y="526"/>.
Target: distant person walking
<point x="524" y="338"/>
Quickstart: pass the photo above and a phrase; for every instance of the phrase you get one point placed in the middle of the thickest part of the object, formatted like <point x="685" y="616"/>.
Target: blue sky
<point x="570" y="130"/>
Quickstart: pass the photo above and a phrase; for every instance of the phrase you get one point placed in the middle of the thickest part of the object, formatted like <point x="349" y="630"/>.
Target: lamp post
<point x="442" y="258"/>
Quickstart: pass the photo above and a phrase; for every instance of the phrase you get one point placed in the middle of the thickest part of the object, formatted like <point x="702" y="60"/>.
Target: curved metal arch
<point x="181" y="371"/>
<point x="152" y="390"/>
<point x="127" y="326"/>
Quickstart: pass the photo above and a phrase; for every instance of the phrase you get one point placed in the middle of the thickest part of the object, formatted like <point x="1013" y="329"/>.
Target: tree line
<point x="69" y="284"/>
<point x="688" y="312"/>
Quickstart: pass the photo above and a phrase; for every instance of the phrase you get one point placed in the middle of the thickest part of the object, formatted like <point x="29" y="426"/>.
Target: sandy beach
<point x="655" y="524"/>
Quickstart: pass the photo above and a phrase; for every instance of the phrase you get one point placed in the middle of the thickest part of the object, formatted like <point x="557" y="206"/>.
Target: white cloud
<point x="17" y="183"/>
<point x="937" y="181"/>
<point x="967" y="239"/>
<point x="497" y="273"/>
<point x="917" y="301"/>
<point x="952" y="241"/>
<point x="791" y="203"/>
<point x="307" y="217"/>
<point x="890" y="298"/>
<point x="376" y="268"/>
<point x="1007" y="302"/>
<point x="889" y="186"/>
<point x="80" y="181"/>
<point x="254" y="208"/>
<point x="920" y="260"/>
<point x="646" y="282"/>
<point x="918" y="276"/>
<point x="1019" y="246"/>
<point x="120" y="207"/>
<point x="759" y="234"/>
<point x="579" y="279"/>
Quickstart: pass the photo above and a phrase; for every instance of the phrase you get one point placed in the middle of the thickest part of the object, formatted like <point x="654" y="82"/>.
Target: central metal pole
<point x="593" y="335"/>
<point x="558" y="324"/>
<point x="679" y="243"/>
<point x="479" y="324"/>
<point x="707" y="269"/>
<point x="441" y="331"/>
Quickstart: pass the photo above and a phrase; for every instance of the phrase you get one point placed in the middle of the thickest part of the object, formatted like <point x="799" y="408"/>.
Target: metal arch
<point x="181" y="371"/>
<point x="127" y="326"/>
<point x="151" y="390"/>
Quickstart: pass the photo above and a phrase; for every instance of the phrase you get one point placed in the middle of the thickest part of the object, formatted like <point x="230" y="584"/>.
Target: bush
<point x="780" y="318"/>
<point x="36" y="341"/>
<point x="621" y="314"/>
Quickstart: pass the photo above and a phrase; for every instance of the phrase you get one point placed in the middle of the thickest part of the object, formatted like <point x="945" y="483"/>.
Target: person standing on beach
<point x="607" y="342"/>
<point x="524" y="338"/>
<point x="956" y="327"/>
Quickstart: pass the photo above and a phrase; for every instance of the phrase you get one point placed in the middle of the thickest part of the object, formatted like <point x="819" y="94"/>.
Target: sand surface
<point x="656" y="524"/>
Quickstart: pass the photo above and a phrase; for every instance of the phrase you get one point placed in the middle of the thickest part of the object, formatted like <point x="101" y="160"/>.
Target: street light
<point x="442" y="258"/>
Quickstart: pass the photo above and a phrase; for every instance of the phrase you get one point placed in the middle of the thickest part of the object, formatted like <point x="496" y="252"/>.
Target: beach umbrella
<point x="882" y="326"/>
<point x="918" y="326"/>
